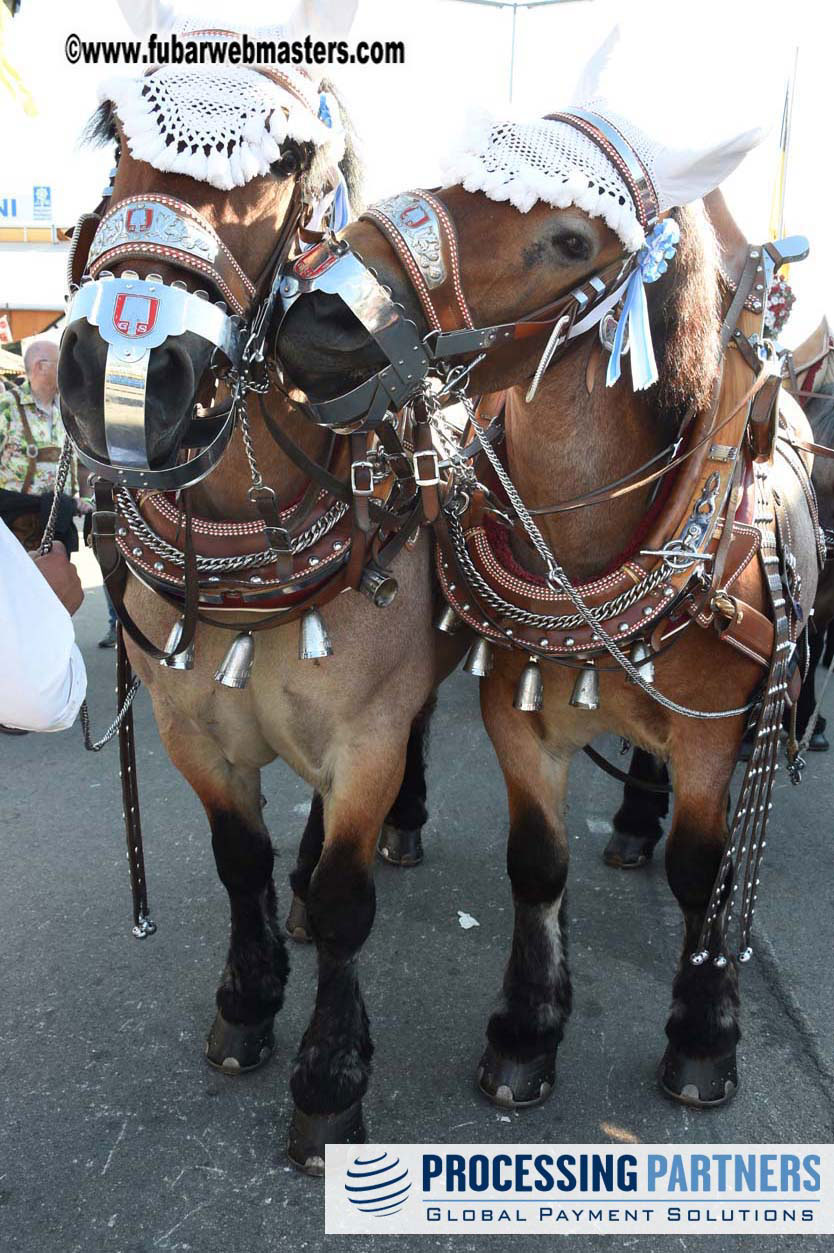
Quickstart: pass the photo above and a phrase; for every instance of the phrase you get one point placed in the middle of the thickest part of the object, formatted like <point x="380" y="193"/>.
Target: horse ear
<point x="684" y="175"/>
<point x="732" y="242"/>
<point x="591" y="79"/>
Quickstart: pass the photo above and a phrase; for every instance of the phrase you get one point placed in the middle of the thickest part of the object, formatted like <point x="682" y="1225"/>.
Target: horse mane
<point x="101" y="130"/>
<point x="684" y="307"/>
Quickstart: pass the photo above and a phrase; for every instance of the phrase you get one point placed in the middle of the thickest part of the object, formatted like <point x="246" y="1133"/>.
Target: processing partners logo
<point x="377" y="1183"/>
<point x="579" y="1189"/>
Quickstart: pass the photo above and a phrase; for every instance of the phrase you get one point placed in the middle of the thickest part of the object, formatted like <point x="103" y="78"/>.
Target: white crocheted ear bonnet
<point x="593" y="156"/>
<point x="222" y="125"/>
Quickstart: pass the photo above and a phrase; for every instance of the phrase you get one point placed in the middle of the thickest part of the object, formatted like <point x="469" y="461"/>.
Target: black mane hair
<point x="101" y="130"/>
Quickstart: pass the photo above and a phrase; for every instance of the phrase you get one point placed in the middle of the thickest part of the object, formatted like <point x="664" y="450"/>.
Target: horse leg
<point x="518" y="1067"/>
<point x="252" y="987"/>
<point x="699" y="1065"/>
<point x="637" y="826"/>
<point x="309" y="851"/>
<point x="400" y="843"/>
<point x="332" y="1068"/>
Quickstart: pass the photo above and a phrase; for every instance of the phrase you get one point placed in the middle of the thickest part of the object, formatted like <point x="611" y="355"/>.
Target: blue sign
<point x="42" y="203"/>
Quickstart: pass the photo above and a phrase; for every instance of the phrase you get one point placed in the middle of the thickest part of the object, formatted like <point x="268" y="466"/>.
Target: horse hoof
<point x="235" y="1047"/>
<point x="309" y="1133"/>
<point x="701" y="1081"/>
<point x="515" y="1085"/>
<point x="297" y="922"/>
<point x="628" y="852"/>
<point x="400" y="848"/>
<point x="819" y="743"/>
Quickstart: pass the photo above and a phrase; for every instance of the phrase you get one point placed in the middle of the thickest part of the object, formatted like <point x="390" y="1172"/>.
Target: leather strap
<point x="115" y="571"/>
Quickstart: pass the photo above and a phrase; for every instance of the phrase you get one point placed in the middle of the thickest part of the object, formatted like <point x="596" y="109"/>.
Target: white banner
<point x="26" y="206"/>
<point x="579" y="1189"/>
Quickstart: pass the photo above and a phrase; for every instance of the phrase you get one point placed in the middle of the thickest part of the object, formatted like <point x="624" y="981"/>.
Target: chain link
<point x="559" y="581"/>
<point x="247" y="561"/>
<point x="544" y="622"/>
<point x="97" y="745"/>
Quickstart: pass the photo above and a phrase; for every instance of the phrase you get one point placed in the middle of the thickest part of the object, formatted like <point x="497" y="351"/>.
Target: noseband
<point x="133" y="316"/>
<point x="419" y="229"/>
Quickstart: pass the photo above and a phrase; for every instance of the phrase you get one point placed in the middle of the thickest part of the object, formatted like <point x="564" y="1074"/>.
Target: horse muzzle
<point x="134" y="317"/>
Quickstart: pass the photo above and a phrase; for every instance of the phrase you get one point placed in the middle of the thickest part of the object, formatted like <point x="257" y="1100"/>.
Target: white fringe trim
<point x="254" y="150"/>
<point x="526" y="186"/>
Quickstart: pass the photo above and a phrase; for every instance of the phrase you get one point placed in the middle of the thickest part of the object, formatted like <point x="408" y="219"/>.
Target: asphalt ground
<point x="116" y="1136"/>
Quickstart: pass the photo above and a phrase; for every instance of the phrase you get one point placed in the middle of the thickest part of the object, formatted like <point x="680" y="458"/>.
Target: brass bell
<point x="181" y="660"/>
<point x="641" y="659"/>
<point x="236" y="666"/>
<point x="479" y="659"/>
<point x="586" y="689"/>
<point x="528" y="694"/>
<point x="447" y="621"/>
<point x="378" y="585"/>
<point x="313" y="640"/>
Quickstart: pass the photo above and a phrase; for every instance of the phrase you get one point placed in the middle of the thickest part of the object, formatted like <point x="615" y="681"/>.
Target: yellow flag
<point x="9" y="77"/>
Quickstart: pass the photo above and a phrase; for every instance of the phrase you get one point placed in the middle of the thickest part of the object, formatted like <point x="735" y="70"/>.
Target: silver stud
<point x="255" y="578"/>
<point x="314" y="561"/>
<point x="337" y="546"/>
<point x="569" y="642"/>
<point x="159" y="565"/>
<point x="122" y="531"/>
<point x="137" y="552"/>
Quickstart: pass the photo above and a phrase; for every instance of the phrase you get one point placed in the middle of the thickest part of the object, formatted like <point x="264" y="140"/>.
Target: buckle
<point x="32" y="452"/>
<point x="727" y="607"/>
<point x="368" y="469"/>
<point x="424" y="480"/>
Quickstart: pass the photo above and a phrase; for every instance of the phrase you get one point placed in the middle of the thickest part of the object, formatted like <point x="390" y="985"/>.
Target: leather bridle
<point x="135" y="315"/>
<point x="423" y="237"/>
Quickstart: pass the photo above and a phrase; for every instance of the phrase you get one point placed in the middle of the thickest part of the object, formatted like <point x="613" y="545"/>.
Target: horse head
<point x="510" y="264"/>
<point x="184" y="220"/>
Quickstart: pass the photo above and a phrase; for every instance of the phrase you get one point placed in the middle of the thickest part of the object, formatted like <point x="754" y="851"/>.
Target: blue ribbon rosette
<point x="652" y="260"/>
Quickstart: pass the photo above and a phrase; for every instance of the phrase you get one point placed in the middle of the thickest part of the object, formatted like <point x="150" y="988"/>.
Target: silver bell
<point x="641" y="659"/>
<point x="181" y="660"/>
<point x="447" y="621"/>
<point x="313" y="640"/>
<point x="479" y="659"/>
<point x="586" y="689"/>
<point x="378" y="585"/>
<point x="236" y="666"/>
<point x="528" y="694"/>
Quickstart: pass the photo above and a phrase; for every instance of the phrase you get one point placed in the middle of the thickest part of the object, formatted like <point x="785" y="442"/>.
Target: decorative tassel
<point x="313" y="640"/>
<point x="236" y="666"/>
<point x="530" y="690"/>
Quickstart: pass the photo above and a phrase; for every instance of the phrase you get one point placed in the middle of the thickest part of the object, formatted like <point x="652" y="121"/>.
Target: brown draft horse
<point x="574" y="437"/>
<point x="344" y="724"/>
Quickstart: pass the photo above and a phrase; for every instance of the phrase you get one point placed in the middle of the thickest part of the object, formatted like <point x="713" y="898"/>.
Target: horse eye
<point x="575" y="247"/>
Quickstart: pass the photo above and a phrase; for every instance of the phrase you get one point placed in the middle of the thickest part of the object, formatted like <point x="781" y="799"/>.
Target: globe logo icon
<point x="378" y="1184"/>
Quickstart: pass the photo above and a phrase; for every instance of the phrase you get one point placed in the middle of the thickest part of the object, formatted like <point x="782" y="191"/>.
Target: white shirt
<point x="42" y="675"/>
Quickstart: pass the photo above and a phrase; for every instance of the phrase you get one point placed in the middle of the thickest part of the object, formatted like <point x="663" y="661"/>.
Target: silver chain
<point x="306" y="539"/>
<point x="97" y="745"/>
<point x="559" y="581"/>
<point x="544" y="622"/>
<point x="48" y="537"/>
